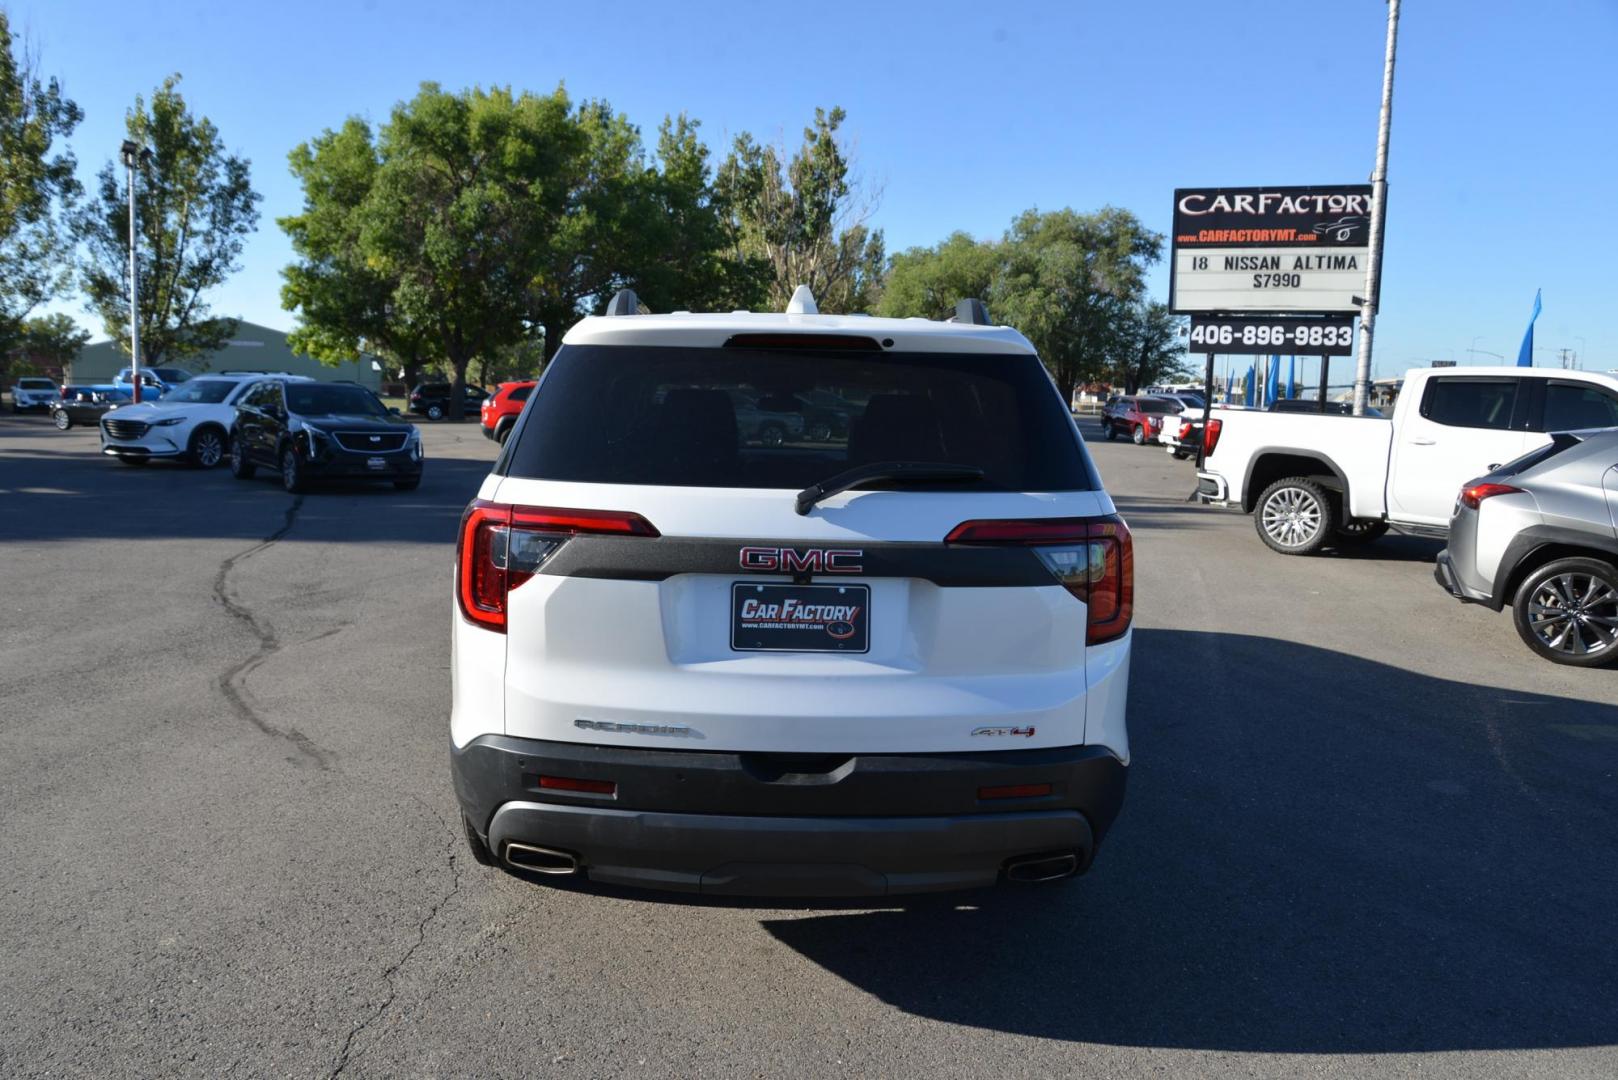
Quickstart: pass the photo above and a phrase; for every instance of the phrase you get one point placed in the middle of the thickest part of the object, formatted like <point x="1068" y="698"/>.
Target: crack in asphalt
<point x="233" y="683"/>
<point x="344" y="1053"/>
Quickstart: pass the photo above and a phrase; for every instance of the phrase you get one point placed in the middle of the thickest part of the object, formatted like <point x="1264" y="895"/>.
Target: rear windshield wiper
<point x="899" y="472"/>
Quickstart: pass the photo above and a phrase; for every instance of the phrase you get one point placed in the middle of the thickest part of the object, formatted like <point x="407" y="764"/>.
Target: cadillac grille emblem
<point x="376" y="438"/>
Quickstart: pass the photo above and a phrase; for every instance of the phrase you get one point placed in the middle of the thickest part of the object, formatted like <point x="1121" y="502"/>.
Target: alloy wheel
<point x="1575" y="614"/>
<point x="210" y="449"/>
<point x="1292" y="517"/>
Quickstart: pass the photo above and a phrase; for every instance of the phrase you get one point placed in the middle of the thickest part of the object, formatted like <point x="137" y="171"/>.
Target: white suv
<point x="191" y="421"/>
<point x="886" y="652"/>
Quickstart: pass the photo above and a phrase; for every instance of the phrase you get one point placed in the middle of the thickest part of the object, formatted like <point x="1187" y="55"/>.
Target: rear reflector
<point x="501" y="546"/>
<point x="1093" y="558"/>
<point x="1473" y="494"/>
<point x="1014" y="791"/>
<point x="573" y="783"/>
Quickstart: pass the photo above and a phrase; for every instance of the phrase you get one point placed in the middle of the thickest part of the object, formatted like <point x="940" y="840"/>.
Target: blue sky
<point x="1504" y="167"/>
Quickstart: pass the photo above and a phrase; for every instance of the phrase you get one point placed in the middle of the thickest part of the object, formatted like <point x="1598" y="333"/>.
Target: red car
<point x="1140" y="418"/>
<point x="500" y="411"/>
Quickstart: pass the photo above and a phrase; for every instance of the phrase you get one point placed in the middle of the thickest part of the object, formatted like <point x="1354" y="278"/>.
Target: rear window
<point x="756" y="418"/>
<point x="35" y="384"/>
<point x="520" y="393"/>
<point x="1158" y="406"/>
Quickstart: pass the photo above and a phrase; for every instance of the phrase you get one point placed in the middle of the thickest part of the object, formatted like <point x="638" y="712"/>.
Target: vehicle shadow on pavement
<point x="1318" y="854"/>
<point x="57" y="496"/>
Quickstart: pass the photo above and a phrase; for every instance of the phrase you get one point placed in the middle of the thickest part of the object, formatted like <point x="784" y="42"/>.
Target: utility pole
<point x="1379" y="200"/>
<point x="134" y="155"/>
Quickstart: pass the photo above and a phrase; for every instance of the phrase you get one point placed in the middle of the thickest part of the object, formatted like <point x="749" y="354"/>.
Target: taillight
<point x="1473" y="494"/>
<point x="1210" y="436"/>
<point x="1185" y="430"/>
<point x="501" y="546"/>
<point x="1093" y="558"/>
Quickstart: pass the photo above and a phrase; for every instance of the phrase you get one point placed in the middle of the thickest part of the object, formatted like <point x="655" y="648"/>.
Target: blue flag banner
<point x="1525" y="355"/>
<point x="1252" y="375"/>
<point x="1272" y="384"/>
<point x="1292" y="377"/>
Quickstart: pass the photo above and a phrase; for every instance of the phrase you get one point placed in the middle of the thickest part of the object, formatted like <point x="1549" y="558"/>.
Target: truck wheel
<point x="1293" y="516"/>
<point x="1138" y="435"/>
<point x="480" y="851"/>
<point x="1567" y="612"/>
<point x="1360" y="531"/>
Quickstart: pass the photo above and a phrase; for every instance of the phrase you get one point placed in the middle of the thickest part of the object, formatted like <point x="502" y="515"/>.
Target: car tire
<point x="1112" y="432"/>
<point x="1138" y="435"/>
<point x="240" y="467"/>
<point x="1360" y="531"/>
<point x="61" y="419"/>
<point x="772" y="434"/>
<point x="503" y="432"/>
<point x="1567" y="612"/>
<point x="480" y="850"/>
<point x="291" y="471"/>
<point x="435" y="412"/>
<point x="207" y="447"/>
<point x="1293" y="516"/>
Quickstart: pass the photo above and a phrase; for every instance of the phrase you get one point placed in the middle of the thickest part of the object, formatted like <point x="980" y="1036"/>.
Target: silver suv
<point x="1538" y="533"/>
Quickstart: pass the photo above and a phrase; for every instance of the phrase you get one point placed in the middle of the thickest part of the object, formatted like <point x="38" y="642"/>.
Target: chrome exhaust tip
<point x="540" y="860"/>
<point x="1042" y="868"/>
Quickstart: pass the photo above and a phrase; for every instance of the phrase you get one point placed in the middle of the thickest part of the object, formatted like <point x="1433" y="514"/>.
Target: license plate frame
<point x="780" y="627"/>
<point x="377" y="464"/>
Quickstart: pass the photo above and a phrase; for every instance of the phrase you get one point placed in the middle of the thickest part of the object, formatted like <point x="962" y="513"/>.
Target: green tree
<point x="803" y="218"/>
<point x="927" y="282"/>
<point x="1147" y="347"/>
<point x="37" y="187"/>
<point x="195" y="206"/>
<point x="54" y="339"/>
<point x="1069" y="282"/>
<point x="343" y="300"/>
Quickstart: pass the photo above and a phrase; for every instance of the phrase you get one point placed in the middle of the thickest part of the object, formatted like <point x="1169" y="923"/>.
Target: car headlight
<point x="170" y="422"/>
<point x="314" y="434"/>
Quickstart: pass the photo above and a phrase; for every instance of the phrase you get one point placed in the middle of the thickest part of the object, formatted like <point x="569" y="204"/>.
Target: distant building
<point x="251" y="348"/>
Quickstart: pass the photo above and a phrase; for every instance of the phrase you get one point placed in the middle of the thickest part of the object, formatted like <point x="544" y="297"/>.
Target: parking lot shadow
<point x="1318" y="854"/>
<point x="49" y="494"/>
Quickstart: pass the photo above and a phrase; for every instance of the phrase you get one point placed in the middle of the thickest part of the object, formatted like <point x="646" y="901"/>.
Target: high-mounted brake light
<point x="1093" y="558"/>
<point x="501" y="546"/>
<point x="1473" y="494"/>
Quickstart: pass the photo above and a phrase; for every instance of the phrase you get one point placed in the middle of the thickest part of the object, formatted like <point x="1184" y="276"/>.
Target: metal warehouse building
<point x="251" y="348"/>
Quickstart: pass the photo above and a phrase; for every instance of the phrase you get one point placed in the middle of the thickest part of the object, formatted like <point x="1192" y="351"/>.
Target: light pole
<point x="134" y="155"/>
<point x="1379" y="200"/>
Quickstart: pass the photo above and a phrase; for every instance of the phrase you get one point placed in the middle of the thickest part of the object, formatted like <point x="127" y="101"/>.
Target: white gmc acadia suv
<point x="888" y="652"/>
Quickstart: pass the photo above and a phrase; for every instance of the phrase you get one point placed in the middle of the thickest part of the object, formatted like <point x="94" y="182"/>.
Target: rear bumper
<point x="767" y="824"/>
<point x="1444" y="573"/>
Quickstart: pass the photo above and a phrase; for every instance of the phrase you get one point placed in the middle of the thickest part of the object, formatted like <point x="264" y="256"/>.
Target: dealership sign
<point x="1270" y="250"/>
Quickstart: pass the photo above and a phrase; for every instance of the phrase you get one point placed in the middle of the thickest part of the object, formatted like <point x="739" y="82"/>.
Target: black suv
<point x="310" y="430"/>
<point x="432" y="400"/>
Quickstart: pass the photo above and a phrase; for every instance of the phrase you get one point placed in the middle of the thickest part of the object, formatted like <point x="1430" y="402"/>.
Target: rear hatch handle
<point x="893" y="472"/>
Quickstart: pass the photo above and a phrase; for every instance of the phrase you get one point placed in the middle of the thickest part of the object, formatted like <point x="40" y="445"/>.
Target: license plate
<point x="800" y="618"/>
<point x="376" y="463"/>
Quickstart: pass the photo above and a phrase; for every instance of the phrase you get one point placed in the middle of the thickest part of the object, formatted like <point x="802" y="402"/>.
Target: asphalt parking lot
<point x="1367" y="832"/>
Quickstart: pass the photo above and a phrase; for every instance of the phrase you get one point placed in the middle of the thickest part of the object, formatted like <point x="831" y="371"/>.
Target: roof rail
<point x="972" y="311"/>
<point x="625" y="302"/>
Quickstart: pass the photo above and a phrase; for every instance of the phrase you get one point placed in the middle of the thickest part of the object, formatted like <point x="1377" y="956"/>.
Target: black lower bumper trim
<point x="783" y="824"/>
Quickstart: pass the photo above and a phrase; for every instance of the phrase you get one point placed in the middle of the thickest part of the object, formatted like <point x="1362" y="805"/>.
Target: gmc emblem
<point x="803" y="561"/>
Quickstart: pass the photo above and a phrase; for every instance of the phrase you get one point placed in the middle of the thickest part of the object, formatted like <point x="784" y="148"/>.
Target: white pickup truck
<point x="1311" y="480"/>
